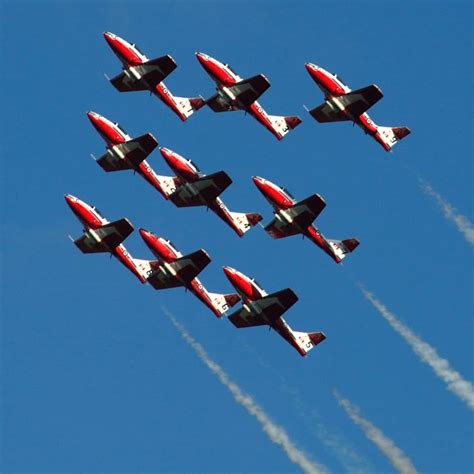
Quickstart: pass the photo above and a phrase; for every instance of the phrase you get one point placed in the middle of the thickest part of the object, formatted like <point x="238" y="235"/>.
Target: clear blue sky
<point x="94" y="377"/>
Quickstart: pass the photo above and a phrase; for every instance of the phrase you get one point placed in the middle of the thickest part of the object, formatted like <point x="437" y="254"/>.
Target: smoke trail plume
<point x="276" y="433"/>
<point x="464" y="225"/>
<point x="428" y="354"/>
<point x="350" y="460"/>
<point x="390" y="450"/>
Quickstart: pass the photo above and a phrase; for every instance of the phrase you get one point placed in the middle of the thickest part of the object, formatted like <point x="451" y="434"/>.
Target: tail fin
<point x="307" y="340"/>
<point x="187" y="106"/>
<point x="244" y="221"/>
<point x="342" y="247"/>
<point x="222" y="303"/>
<point x="145" y="267"/>
<point x="388" y="137"/>
<point x="282" y="125"/>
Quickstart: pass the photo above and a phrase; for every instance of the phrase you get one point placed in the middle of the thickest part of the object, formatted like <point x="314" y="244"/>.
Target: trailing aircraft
<point x="343" y="104"/>
<point x="143" y="74"/>
<point x="259" y="309"/>
<point x="100" y="235"/>
<point x="172" y="270"/>
<point x="235" y="93"/>
<point x="191" y="188"/>
<point x="293" y="217"/>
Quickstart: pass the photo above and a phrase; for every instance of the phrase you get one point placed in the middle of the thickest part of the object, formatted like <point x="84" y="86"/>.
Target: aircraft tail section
<point x="244" y="221"/>
<point x="342" y="247"/>
<point x="144" y="268"/>
<point x="307" y="340"/>
<point x="188" y="105"/>
<point x="388" y="137"/>
<point x="223" y="303"/>
<point x="283" y="124"/>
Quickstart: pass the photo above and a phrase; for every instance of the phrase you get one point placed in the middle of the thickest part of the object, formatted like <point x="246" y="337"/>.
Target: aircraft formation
<point x="190" y="187"/>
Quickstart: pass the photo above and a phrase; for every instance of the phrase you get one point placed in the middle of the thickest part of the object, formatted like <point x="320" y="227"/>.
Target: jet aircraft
<point x="100" y="235"/>
<point x="143" y="74"/>
<point x="292" y="217"/>
<point x="343" y="104"/>
<point x="235" y="93"/>
<point x="124" y="152"/>
<point x="173" y="270"/>
<point x="259" y="308"/>
<point x="192" y="188"/>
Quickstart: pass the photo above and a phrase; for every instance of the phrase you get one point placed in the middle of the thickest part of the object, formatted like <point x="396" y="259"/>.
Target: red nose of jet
<point x="70" y="200"/>
<point x="145" y="234"/>
<point x="202" y="58"/>
<point x="229" y="273"/>
<point x="109" y="37"/>
<point x="258" y="181"/>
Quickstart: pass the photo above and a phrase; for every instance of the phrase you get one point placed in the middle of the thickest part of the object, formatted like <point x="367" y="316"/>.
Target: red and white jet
<point x="260" y="308"/>
<point x="143" y="74"/>
<point x="235" y="93"/>
<point x="292" y="217"/>
<point x="124" y="152"/>
<point x="172" y="270"/>
<point x="100" y="235"/>
<point x="191" y="188"/>
<point x="344" y="104"/>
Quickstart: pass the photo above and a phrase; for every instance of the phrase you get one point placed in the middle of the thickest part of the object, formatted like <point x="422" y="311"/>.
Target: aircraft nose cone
<point x="144" y="234"/>
<point x="70" y="200"/>
<point x="92" y="116"/>
<point x="201" y="57"/>
<point x="229" y="272"/>
<point x="257" y="180"/>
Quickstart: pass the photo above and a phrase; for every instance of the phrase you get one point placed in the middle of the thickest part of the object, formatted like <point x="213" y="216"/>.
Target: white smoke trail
<point x="464" y="225"/>
<point x="428" y="354"/>
<point x="391" y="451"/>
<point x="276" y="433"/>
<point x="350" y="460"/>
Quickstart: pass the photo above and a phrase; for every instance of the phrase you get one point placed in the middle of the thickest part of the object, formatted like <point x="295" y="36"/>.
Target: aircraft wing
<point x="111" y="236"/>
<point x="243" y="318"/>
<point x="150" y="73"/>
<point x="326" y="113"/>
<point x="218" y="104"/>
<point x="359" y="101"/>
<point x="249" y="90"/>
<point x="307" y="210"/>
<point x="272" y="306"/>
<point x="183" y="269"/>
<point x="278" y="229"/>
<point x="207" y="188"/>
<point x="135" y="151"/>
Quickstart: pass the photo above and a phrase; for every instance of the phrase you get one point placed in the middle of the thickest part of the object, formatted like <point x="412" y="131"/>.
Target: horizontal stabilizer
<point x="245" y="221"/>
<point x="223" y="303"/>
<point x="307" y="340"/>
<point x="283" y="124"/>
<point x="342" y="247"/>
<point x="390" y="136"/>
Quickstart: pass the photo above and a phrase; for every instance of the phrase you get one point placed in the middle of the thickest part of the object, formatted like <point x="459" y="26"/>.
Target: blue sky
<point x="95" y="378"/>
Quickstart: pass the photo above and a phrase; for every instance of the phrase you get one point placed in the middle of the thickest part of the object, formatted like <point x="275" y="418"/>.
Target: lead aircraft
<point x="143" y="74"/>
<point x="293" y="217"/>
<point x="259" y="309"/>
<point x="172" y="270"/>
<point x="100" y="235"/>
<point x="191" y="188"/>
<point x="343" y="104"/>
<point x="235" y="93"/>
